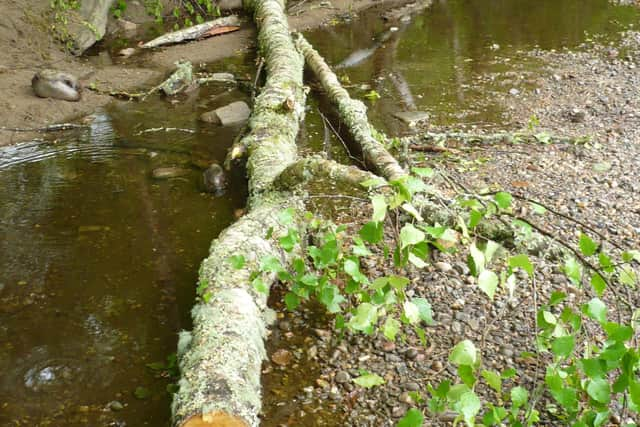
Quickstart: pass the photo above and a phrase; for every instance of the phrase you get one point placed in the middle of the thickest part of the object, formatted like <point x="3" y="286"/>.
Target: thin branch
<point x="49" y="128"/>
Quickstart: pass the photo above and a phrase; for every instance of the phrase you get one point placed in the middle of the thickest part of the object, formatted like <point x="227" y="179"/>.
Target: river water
<point x="98" y="260"/>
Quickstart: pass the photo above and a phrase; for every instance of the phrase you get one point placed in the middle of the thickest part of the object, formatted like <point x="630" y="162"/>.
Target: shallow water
<point x="98" y="261"/>
<point x="97" y="269"/>
<point x="436" y="61"/>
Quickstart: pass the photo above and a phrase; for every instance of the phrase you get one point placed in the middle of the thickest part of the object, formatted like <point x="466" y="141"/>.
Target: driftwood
<point x="220" y="359"/>
<point x="193" y="33"/>
<point x="353" y="113"/>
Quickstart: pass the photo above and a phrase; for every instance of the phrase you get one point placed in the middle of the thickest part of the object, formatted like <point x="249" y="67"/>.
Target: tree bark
<point x="220" y="360"/>
<point x="353" y="113"/>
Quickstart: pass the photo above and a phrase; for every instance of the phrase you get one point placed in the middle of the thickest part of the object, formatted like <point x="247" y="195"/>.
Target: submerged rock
<point x="169" y="172"/>
<point x="214" y="179"/>
<point x="411" y="118"/>
<point x="233" y="114"/>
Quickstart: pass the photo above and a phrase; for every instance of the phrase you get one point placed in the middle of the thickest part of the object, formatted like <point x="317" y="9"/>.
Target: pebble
<point x="342" y="377"/>
<point x="444" y="267"/>
<point x="115" y="406"/>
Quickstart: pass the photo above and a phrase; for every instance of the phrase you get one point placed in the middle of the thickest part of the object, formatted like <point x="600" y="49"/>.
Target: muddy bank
<point x="30" y="46"/>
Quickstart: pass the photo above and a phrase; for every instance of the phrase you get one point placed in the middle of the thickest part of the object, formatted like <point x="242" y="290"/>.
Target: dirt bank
<point x="28" y="45"/>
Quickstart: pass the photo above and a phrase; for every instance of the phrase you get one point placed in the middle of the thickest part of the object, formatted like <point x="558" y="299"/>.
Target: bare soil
<point x="28" y="45"/>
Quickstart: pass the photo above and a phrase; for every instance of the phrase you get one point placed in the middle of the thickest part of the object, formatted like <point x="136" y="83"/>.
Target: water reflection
<point x="97" y="269"/>
<point x="434" y="60"/>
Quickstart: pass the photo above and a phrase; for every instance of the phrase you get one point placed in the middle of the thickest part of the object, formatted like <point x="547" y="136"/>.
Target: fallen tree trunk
<point x="220" y="359"/>
<point x="194" y="32"/>
<point x="353" y="113"/>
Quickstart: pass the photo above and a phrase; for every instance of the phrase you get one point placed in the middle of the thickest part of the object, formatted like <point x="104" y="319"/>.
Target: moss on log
<point x="220" y="359"/>
<point x="353" y="113"/>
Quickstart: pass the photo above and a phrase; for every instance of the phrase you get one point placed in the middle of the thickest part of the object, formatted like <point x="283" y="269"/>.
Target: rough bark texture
<point x="220" y="359"/>
<point x="313" y="168"/>
<point x="353" y="113"/>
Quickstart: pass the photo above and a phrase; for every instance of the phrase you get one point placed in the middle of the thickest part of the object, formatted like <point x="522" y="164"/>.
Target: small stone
<point x="577" y="116"/>
<point x="342" y="377"/>
<point x="444" y="267"/>
<point x="412" y="386"/>
<point x="322" y="383"/>
<point x="126" y="27"/>
<point x="411" y="354"/>
<point x="284" y="325"/>
<point x="514" y="92"/>
<point x="115" y="406"/>
<point x="169" y="172"/>
<point x="411" y="118"/>
<point x="233" y="114"/>
<point x="127" y="52"/>
<point x="281" y="357"/>
<point x="405" y="398"/>
<point x="388" y="346"/>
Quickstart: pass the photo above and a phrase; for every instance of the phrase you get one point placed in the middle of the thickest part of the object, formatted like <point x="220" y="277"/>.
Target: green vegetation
<point x="586" y="372"/>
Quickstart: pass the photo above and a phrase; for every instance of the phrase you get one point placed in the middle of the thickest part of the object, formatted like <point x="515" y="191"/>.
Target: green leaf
<point x="379" y="208"/>
<point x="475" y="217"/>
<point x="617" y="332"/>
<point x="599" y="390"/>
<point x="390" y="328"/>
<point x="466" y="374"/>
<point x="476" y="260"/>
<point x="605" y="262"/>
<point x="156" y="366"/>
<point x="557" y="297"/>
<point x="260" y="286"/>
<point x="271" y="263"/>
<point x="593" y="368"/>
<point x="142" y="393"/>
<point x="292" y="301"/>
<point x="587" y="246"/>
<point x="286" y="216"/>
<point x="494" y="380"/>
<point x="521" y="261"/>
<point x="331" y="297"/>
<point x="411" y="312"/>
<point x="633" y="254"/>
<point x="413" y="418"/>
<point x="409" y="235"/>
<point x="538" y="209"/>
<point x="352" y="268"/>
<point x="573" y="270"/>
<point x="519" y="396"/>
<point x="372" y="232"/>
<point x="490" y="250"/>
<point x="508" y="373"/>
<point x="290" y="240"/>
<point x="598" y="284"/>
<point x="563" y="346"/>
<point x="464" y="353"/>
<point x="596" y="309"/>
<point x="411" y="210"/>
<point x="398" y="282"/>
<point x="423" y="172"/>
<point x="468" y="405"/>
<point x="237" y="261"/>
<point x="369" y="380"/>
<point x="488" y="282"/>
<point x="503" y="200"/>
<point x="424" y="310"/>
<point x="627" y="276"/>
<point x="365" y="318"/>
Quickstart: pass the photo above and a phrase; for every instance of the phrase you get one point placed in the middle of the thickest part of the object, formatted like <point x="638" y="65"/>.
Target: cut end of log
<point x="214" y="419"/>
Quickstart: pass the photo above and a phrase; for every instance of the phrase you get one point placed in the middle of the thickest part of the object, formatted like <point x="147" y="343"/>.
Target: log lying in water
<point x="220" y="360"/>
<point x="353" y="113"/>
